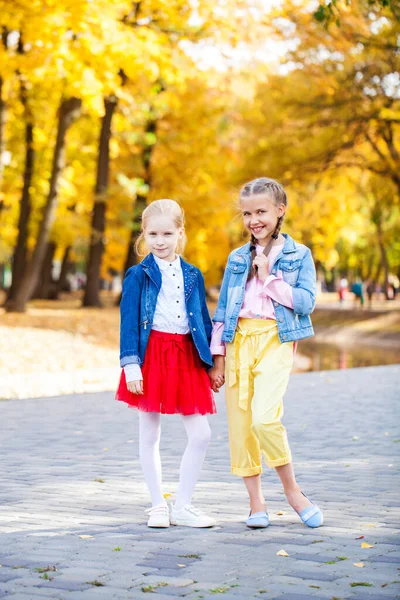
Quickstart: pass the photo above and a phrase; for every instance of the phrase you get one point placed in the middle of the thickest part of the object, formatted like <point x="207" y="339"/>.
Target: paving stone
<point x="49" y="498"/>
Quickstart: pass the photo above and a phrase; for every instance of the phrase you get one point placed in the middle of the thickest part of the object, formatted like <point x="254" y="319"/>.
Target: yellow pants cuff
<point x="246" y="472"/>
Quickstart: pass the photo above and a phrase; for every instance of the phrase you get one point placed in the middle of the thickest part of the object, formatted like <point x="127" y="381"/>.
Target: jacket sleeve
<point x="130" y="313"/>
<point x="204" y="309"/>
<point x="219" y="316"/>
<point x="305" y="289"/>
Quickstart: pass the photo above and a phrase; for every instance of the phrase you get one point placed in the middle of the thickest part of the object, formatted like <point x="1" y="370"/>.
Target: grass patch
<point x="152" y="588"/>
<point x="189" y="555"/>
<point x="361" y="584"/>
<point x="96" y="583"/>
<point x="46" y="577"/>
<point x="99" y="480"/>
<point x="220" y="590"/>
<point x="42" y="569"/>
<point x="342" y="557"/>
<point x="117" y="549"/>
<point x="317" y="587"/>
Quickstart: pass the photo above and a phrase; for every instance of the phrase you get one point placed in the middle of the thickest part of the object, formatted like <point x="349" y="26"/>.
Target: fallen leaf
<point x="371" y="524"/>
<point x="85" y="537"/>
<point x="282" y="553"/>
<point x="105" y="449"/>
<point x="360" y="564"/>
<point x="167" y="495"/>
<point x="365" y="545"/>
<point x="361" y="537"/>
<point x="280" y="513"/>
<point x="181" y="565"/>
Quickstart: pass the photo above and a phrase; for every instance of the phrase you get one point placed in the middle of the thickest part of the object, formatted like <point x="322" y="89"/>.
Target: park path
<point x="72" y="500"/>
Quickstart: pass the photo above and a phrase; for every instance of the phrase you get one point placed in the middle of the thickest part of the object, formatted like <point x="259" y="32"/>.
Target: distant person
<point x="343" y="287"/>
<point x="165" y="333"/>
<point x="370" y="290"/>
<point x="358" y="291"/>
<point x="267" y="295"/>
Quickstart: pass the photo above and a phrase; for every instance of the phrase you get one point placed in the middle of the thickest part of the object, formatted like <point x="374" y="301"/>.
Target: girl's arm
<point x="130" y="313"/>
<point x="223" y="298"/>
<point x="305" y="290"/>
<point x="279" y="290"/>
<point x="204" y="309"/>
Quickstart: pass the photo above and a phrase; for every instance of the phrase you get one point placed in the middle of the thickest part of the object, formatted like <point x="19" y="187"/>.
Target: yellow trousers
<point x="257" y="374"/>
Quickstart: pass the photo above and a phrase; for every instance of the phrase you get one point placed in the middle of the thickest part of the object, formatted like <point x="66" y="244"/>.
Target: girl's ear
<point x="181" y="232"/>
<point x="281" y="210"/>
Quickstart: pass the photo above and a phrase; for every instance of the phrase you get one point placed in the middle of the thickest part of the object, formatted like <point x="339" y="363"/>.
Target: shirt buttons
<point x="275" y="304"/>
<point x="191" y="314"/>
<point x="194" y="328"/>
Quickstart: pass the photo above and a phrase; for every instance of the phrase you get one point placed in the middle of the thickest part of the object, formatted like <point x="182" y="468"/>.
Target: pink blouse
<point x="258" y="299"/>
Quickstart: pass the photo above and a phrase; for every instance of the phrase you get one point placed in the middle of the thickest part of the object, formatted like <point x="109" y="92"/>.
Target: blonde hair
<point x="162" y="207"/>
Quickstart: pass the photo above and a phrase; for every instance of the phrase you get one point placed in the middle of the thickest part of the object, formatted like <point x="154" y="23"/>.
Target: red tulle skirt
<point x="174" y="378"/>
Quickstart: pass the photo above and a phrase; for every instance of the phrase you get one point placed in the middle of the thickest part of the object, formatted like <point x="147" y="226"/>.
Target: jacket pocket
<point x="290" y="270"/>
<point x="236" y="267"/>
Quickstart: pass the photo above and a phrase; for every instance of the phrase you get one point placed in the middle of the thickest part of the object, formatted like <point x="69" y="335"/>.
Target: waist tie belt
<point x="239" y="365"/>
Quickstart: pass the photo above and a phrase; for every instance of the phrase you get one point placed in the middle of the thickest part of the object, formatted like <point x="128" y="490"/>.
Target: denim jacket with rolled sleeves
<point x="140" y="290"/>
<point x="297" y="267"/>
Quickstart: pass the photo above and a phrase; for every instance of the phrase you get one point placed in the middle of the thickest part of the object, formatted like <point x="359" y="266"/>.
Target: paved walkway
<point x="72" y="502"/>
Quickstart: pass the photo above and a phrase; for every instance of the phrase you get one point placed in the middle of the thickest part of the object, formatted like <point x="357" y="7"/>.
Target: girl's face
<point x="162" y="236"/>
<point x="260" y="216"/>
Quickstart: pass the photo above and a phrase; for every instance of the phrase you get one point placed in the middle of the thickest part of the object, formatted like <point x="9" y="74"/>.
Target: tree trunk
<point x="20" y="251"/>
<point x="3" y="111"/>
<point x="92" y="291"/>
<point x="68" y="112"/>
<point x="45" y="282"/>
<point x="384" y="259"/>
<point x="62" y="280"/>
<point x="2" y="127"/>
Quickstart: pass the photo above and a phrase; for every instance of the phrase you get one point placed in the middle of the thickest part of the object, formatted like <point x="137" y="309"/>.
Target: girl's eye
<point x="261" y="211"/>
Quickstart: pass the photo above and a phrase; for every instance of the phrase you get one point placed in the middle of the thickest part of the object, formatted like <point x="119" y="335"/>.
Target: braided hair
<point x="259" y="187"/>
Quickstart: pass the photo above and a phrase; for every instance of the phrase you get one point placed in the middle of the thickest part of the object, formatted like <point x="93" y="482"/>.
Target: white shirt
<point x="170" y="315"/>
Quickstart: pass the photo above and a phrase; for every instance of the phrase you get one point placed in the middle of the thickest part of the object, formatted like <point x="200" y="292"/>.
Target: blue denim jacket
<point x="140" y="290"/>
<point x="297" y="266"/>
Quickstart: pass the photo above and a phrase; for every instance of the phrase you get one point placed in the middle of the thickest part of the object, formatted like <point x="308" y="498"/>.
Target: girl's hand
<point x="136" y="387"/>
<point x="261" y="262"/>
<point x="217" y="379"/>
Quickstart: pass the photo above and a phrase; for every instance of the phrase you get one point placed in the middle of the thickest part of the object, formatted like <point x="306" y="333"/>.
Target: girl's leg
<point x="291" y="488"/>
<point x="257" y="500"/>
<point x="149" y="454"/>
<point x="199" y="435"/>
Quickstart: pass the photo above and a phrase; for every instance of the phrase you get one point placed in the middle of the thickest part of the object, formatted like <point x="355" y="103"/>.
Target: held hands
<point x="136" y="387"/>
<point x="261" y="262"/>
<point x="216" y="374"/>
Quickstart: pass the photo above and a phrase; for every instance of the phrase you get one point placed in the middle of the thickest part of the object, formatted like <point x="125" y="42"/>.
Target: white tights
<point x="198" y="432"/>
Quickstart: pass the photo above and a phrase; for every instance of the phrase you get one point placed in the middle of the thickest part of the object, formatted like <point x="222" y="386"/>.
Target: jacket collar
<point x="153" y="271"/>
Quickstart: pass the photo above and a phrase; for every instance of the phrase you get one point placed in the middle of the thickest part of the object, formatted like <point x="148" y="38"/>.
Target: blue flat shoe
<point x="312" y="515"/>
<point x="258" y="520"/>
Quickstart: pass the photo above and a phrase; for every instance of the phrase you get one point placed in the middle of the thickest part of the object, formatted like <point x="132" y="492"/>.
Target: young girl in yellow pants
<point x="266" y="298"/>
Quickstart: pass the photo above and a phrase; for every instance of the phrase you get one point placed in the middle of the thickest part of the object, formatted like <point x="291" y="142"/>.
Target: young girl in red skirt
<point x="165" y="336"/>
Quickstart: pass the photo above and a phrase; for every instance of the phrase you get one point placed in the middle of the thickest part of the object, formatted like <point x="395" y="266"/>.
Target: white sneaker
<point x="158" y="516"/>
<point x="190" y="517"/>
